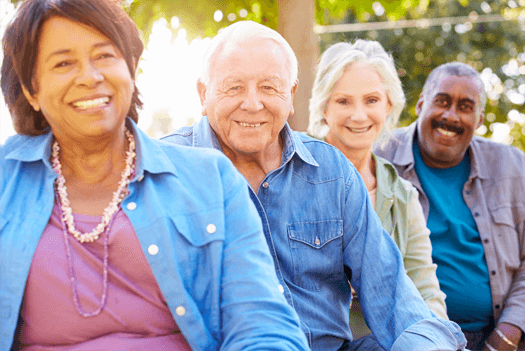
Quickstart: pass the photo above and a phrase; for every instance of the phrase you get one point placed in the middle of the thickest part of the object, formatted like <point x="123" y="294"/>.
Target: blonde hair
<point x="334" y="61"/>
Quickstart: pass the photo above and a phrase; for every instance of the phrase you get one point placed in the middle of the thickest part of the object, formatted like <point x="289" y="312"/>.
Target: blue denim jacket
<point x="322" y="229"/>
<point x="220" y="286"/>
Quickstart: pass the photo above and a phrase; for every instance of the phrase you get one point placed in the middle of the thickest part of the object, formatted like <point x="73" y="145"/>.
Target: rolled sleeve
<point x="434" y="334"/>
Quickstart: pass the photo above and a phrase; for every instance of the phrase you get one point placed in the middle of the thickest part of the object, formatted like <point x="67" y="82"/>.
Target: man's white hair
<point x="241" y="32"/>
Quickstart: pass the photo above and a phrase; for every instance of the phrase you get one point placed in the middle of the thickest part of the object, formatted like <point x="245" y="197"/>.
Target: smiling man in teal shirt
<point x="472" y="191"/>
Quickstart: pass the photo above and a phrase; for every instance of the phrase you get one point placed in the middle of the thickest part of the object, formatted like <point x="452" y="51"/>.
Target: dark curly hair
<point x="20" y="45"/>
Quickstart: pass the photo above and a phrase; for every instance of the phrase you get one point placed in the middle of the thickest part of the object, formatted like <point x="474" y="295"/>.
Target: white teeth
<point x="242" y="124"/>
<point x="446" y="133"/>
<point x="359" y="130"/>
<point x="91" y="103"/>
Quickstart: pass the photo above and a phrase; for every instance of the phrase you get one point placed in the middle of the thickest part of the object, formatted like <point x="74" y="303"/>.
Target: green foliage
<point x="197" y="17"/>
<point x="417" y="51"/>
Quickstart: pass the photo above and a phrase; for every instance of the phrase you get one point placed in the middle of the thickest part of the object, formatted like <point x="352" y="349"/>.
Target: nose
<point x="450" y="114"/>
<point x="359" y="114"/>
<point x="251" y="102"/>
<point x="89" y="76"/>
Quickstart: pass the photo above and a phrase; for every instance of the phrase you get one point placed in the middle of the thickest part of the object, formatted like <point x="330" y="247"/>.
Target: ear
<point x="481" y="119"/>
<point x="292" y="94"/>
<point x="201" y="89"/>
<point x="389" y="108"/>
<point x="31" y="99"/>
<point x="419" y="105"/>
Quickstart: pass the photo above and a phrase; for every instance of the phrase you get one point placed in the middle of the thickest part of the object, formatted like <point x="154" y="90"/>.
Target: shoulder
<point x="182" y="136"/>
<point x="499" y="159"/>
<point x="388" y="143"/>
<point x="332" y="162"/>
<point x="388" y="177"/>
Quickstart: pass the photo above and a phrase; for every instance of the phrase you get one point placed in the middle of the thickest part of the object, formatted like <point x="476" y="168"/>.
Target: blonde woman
<point x="356" y="97"/>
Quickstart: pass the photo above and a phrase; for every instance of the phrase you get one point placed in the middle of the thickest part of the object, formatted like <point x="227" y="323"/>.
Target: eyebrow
<point x="469" y="100"/>
<point x="66" y="51"/>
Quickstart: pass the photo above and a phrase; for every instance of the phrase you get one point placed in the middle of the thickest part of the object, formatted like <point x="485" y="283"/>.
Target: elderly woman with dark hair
<point x="108" y="239"/>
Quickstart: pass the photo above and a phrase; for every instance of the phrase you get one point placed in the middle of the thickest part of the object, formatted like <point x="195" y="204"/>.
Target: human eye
<point x="372" y="100"/>
<point x="441" y="101"/>
<point x="63" y="64"/>
<point x="105" y="55"/>
<point x="342" y="102"/>
<point x="466" y="107"/>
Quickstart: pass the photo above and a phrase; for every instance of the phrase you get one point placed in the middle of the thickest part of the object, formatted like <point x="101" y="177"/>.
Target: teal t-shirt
<point x="456" y="244"/>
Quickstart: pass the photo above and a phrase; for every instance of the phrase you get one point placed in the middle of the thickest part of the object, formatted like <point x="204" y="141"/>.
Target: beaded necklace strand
<point x="68" y="225"/>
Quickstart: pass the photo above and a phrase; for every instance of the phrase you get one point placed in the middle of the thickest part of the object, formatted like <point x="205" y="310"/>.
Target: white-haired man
<point x="318" y="219"/>
<point x="472" y="191"/>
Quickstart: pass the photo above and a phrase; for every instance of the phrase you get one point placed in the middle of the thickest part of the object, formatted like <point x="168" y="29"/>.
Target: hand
<point x="512" y="333"/>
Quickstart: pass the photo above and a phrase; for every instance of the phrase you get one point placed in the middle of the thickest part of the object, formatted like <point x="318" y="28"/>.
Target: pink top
<point x="135" y="317"/>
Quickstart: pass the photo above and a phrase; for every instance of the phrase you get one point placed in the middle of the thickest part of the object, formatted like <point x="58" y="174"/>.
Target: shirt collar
<point x="404" y="156"/>
<point x="478" y="164"/>
<point x="292" y="145"/>
<point x="204" y="136"/>
<point x="150" y="156"/>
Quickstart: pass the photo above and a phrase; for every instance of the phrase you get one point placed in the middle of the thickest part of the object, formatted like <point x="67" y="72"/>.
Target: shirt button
<point x="317" y="242"/>
<point x="131" y="206"/>
<point x="497" y="307"/>
<point x="486" y="241"/>
<point x="281" y="289"/>
<point x="180" y="311"/>
<point x="493" y="272"/>
<point x="211" y="228"/>
<point x="476" y="214"/>
<point x="266" y="185"/>
<point x="468" y="192"/>
<point x="153" y="250"/>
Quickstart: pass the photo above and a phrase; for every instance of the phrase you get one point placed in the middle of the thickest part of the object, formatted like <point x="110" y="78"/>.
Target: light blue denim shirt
<point x="319" y="224"/>
<point x="219" y="285"/>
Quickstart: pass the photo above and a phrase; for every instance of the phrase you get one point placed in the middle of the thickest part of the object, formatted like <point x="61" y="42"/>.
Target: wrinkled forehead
<point x="255" y="51"/>
<point x="456" y="86"/>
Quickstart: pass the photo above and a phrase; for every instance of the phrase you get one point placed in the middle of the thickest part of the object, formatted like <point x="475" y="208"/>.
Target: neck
<point x="362" y="161"/>
<point x="255" y="166"/>
<point x="92" y="161"/>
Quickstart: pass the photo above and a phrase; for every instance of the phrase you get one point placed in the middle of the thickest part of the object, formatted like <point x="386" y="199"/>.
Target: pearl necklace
<point x="68" y="223"/>
<point x="114" y="205"/>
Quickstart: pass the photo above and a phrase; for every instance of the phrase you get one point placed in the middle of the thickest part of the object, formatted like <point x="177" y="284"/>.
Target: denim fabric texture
<point x="219" y="284"/>
<point x="495" y="194"/>
<point x="321" y="229"/>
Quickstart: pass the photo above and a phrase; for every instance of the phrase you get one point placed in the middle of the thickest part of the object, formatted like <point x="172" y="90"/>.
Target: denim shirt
<point x="495" y="195"/>
<point x="219" y="284"/>
<point x="321" y="229"/>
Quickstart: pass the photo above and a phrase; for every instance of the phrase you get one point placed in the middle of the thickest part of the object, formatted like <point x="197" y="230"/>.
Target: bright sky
<point x="169" y="67"/>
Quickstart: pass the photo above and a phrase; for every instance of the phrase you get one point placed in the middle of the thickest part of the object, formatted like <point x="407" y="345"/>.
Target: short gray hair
<point x="245" y="31"/>
<point x="458" y="69"/>
<point x="334" y="61"/>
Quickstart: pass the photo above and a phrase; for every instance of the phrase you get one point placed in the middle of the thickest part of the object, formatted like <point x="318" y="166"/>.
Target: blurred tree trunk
<point x="296" y="25"/>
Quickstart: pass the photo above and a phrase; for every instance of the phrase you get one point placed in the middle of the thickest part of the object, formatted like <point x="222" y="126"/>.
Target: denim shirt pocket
<point x="201" y="228"/>
<point x="317" y="253"/>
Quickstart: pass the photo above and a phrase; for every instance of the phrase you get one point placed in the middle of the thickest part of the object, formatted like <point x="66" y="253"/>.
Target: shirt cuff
<point x="432" y="334"/>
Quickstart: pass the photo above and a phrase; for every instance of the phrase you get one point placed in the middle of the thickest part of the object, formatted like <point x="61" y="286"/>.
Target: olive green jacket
<point x="401" y="214"/>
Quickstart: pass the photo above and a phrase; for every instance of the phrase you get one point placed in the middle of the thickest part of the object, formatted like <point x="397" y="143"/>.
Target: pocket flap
<point x="315" y="234"/>
<point x="502" y="215"/>
<point x="201" y="228"/>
